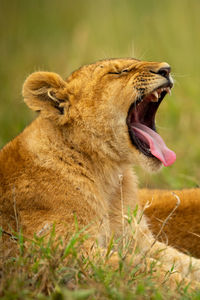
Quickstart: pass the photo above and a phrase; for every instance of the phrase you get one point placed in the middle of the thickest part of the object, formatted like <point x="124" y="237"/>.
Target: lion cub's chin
<point x="149" y="164"/>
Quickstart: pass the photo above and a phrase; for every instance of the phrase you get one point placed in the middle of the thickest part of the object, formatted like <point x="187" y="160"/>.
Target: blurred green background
<point x="62" y="35"/>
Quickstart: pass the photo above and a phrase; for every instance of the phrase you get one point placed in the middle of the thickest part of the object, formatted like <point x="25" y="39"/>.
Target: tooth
<point x="168" y="90"/>
<point x="155" y="93"/>
<point x="154" y="96"/>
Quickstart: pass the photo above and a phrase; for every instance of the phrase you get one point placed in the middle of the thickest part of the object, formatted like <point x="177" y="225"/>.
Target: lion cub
<point x="76" y="158"/>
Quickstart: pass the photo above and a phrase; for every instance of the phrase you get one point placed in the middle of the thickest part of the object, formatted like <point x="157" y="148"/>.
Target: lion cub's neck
<point x="53" y="149"/>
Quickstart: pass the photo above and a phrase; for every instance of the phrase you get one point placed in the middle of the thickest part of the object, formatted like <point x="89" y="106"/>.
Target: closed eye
<point x="126" y="71"/>
<point x="120" y="72"/>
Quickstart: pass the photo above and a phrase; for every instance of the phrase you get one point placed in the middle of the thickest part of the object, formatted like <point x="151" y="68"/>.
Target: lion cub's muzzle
<point x="141" y="118"/>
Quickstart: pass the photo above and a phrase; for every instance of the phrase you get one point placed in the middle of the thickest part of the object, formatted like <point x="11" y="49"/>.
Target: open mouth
<point x="141" y="126"/>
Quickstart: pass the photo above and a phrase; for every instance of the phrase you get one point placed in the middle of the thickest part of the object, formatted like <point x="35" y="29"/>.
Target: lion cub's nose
<point x="164" y="71"/>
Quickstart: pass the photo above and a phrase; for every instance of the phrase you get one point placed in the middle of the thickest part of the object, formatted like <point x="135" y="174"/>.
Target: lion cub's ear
<point x="46" y="92"/>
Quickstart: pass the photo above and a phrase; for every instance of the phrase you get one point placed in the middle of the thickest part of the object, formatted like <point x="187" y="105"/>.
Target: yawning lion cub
<point x="76" y="158"/>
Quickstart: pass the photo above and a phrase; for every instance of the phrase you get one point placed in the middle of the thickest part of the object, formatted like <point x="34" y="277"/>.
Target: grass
<point x="60" y="270"/>
<point x="60" y="36"/>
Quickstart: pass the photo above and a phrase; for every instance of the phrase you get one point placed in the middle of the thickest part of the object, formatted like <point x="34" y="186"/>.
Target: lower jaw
<point x="149" y="164"/>
<point x="147" y="161"/>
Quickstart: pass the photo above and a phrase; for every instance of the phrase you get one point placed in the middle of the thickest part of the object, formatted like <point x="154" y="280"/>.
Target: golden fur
<point x="76" y="158"/>
<point x="182" y="230"/>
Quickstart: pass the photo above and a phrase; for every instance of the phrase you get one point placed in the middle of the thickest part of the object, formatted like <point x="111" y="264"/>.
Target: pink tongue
<point x="156" y="144"/>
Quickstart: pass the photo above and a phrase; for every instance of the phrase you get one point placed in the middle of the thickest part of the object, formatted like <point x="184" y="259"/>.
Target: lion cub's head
<point x="109" y="107"/>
